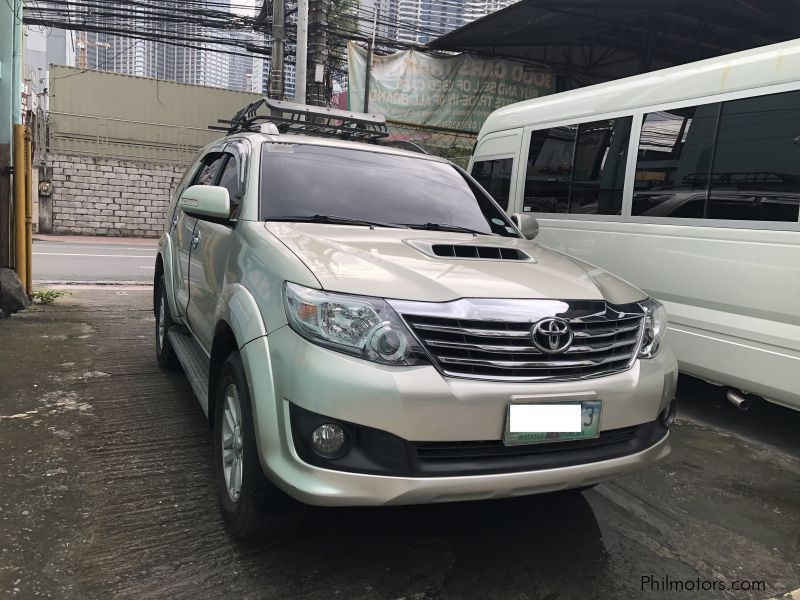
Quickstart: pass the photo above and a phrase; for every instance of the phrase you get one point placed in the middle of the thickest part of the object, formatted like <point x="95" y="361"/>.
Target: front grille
<point x="504" y="351"/>
<point x="456" y="451"/>
<point x="441" y="459"/>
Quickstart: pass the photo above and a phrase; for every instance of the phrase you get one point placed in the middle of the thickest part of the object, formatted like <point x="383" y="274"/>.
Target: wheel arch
<point x="238" y="321"/>
<point x="224" y="343"/>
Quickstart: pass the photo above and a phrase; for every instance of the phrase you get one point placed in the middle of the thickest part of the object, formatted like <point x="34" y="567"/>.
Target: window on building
<point x="495" y="177"/>
<point x="756" y="172"/>
<point x="578" y="168"/>
<point x="673" y="162"/>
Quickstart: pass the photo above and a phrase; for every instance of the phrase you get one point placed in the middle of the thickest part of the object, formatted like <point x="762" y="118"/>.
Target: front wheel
<point x="251" y="504"/>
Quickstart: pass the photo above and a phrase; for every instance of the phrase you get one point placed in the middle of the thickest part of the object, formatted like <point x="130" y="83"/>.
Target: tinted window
<point x="495" y="177"/>
<point x="208" y="172"/>
<point x="229" y="179"/>
<point x="756" y="173"/>
<point x="598" y="172"/>
<point x="673" y="162"/>
<point x="303" y="180"/>
<point x="549" y="170"/>
<point x="578" y="168"/>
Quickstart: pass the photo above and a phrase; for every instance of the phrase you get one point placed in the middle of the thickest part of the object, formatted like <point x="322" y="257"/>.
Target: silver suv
<point x="364" y="325"/>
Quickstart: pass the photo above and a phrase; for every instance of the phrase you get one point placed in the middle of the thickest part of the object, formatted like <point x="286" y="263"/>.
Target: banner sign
<point x="456" y="92"/>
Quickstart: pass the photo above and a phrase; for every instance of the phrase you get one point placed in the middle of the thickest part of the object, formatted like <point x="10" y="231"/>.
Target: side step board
<point x="194" y="362"/>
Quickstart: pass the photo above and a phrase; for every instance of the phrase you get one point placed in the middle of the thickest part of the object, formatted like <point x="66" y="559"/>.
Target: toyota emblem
<point x="551" y="336"/>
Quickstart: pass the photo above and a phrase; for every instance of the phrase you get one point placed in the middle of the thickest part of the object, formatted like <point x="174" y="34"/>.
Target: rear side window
<point x="736" y="160"/>
<point x="756" y="172"/>
<point x="673" y="161"/>
<point x="578" y="169"/>
<point x="495" y="177"/>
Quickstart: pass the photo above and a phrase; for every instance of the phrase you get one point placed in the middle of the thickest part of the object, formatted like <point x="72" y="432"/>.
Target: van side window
<point x="549" y="170"/>
<point x="673" y="161"/>
<point x="495" y="177"/>
<point x="578" y="169"/>
<point x="756" y="173"/>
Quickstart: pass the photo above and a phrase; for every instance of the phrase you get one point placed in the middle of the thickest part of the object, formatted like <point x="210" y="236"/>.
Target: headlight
<point x="358" y="325"/>
<point x="655" y="326"/>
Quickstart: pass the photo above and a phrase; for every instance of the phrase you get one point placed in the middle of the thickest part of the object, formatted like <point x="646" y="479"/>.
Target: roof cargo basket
<point x="304" y="119"/>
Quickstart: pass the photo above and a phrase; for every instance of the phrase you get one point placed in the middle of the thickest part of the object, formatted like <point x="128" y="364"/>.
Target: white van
<point x="686" y="182"/>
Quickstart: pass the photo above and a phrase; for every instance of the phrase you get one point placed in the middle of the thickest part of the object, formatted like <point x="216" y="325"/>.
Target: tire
<point x="164" y="351"/>
<point x="256" y="507"/>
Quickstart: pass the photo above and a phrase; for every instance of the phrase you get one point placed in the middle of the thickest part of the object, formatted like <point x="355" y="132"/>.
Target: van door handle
<point x="195" y="240"/>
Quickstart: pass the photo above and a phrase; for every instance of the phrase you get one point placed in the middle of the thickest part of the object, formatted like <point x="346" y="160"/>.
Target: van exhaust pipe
<point x="739" y="401"/>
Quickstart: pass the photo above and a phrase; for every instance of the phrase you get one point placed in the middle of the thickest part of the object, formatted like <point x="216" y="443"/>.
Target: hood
<point x="393" y="263"/>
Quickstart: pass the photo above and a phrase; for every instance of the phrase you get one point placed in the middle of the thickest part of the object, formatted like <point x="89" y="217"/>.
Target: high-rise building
<point x="196" y="62"/>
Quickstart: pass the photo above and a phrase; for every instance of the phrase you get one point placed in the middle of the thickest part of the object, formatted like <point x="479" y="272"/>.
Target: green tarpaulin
<point x="456" y="92"/>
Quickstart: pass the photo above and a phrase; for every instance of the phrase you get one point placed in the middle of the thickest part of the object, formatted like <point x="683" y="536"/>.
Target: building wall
<point x="109" y="197"/>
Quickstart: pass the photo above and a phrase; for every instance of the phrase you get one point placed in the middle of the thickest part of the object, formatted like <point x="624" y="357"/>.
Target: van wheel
<point x="251" y="505"/>
<point x="164" y="351"/>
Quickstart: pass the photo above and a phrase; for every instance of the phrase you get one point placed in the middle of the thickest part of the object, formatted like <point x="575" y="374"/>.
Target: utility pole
<point x="370" y="50"/>
<point x="276" y="76"/>
<point x="317" y="51"/>
<point x="301" y="54"/>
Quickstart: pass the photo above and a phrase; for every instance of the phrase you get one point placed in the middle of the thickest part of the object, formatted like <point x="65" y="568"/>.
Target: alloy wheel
<point x="232" y="442"/>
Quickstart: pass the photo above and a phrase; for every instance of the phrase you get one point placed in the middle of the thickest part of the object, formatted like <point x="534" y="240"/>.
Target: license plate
<point x="552" y="422"/>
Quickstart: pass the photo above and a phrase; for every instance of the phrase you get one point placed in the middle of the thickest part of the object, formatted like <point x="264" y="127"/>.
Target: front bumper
<point x="417" y="404"/>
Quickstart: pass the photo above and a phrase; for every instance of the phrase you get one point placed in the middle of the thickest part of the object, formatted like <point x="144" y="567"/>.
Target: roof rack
<point x="304" y="119"/>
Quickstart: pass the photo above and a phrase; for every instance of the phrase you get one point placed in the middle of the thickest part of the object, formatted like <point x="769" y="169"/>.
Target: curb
<point x="50" y="282"/>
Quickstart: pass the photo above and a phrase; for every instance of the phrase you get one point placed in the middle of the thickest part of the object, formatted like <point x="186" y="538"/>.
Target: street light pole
<point x="301" y="60"/>
<point x="276" y="76"/>
<point x="370" y="50"/>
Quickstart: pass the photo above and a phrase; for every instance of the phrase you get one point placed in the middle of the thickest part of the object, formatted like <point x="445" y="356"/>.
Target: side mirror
<point x="210" y="201"/>
<point x="527" y="224"/>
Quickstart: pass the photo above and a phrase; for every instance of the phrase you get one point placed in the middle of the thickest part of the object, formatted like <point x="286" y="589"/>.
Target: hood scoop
<point x="470" y="251"/>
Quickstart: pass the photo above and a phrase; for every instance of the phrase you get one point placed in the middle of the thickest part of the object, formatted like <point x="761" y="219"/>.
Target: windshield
<point x="307" y="182"/>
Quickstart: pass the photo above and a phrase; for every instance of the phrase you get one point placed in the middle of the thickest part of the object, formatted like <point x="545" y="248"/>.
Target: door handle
<point x="195" y="240"/>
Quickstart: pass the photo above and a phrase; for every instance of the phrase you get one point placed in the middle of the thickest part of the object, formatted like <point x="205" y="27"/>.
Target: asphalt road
<point x="91" y="260"/>
<point x="107" y="492"/>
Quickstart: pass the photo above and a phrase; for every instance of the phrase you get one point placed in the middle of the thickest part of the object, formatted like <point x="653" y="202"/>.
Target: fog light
<point x="668" y="414"/>
<point x="328" y="439"/>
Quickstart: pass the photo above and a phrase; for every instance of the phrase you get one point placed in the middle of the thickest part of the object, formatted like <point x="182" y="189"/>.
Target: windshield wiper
<point x="337" y="220"/>
<point x="445" y="227"/>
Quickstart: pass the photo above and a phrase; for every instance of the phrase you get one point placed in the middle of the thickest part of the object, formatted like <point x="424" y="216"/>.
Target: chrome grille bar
<point x="470" y="339"/>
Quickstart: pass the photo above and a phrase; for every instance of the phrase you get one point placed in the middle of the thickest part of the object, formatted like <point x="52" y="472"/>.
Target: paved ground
<point x="107" y="492"/>
<point x="88" y="259"/>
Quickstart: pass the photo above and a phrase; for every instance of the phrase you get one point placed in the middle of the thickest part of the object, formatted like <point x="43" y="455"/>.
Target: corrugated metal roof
<point x="588" y="41"/>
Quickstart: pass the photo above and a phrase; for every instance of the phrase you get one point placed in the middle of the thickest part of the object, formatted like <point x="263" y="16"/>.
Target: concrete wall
<point x="105" y="196"/>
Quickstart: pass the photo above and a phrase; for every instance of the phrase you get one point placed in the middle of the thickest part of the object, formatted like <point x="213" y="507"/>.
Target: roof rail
<point x="404" y="145"/>
<point x="304" y="119"/>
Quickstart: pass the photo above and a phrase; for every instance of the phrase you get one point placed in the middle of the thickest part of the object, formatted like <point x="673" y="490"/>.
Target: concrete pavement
<point x="107" y="492"/>
<point x="79" y="259"/>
